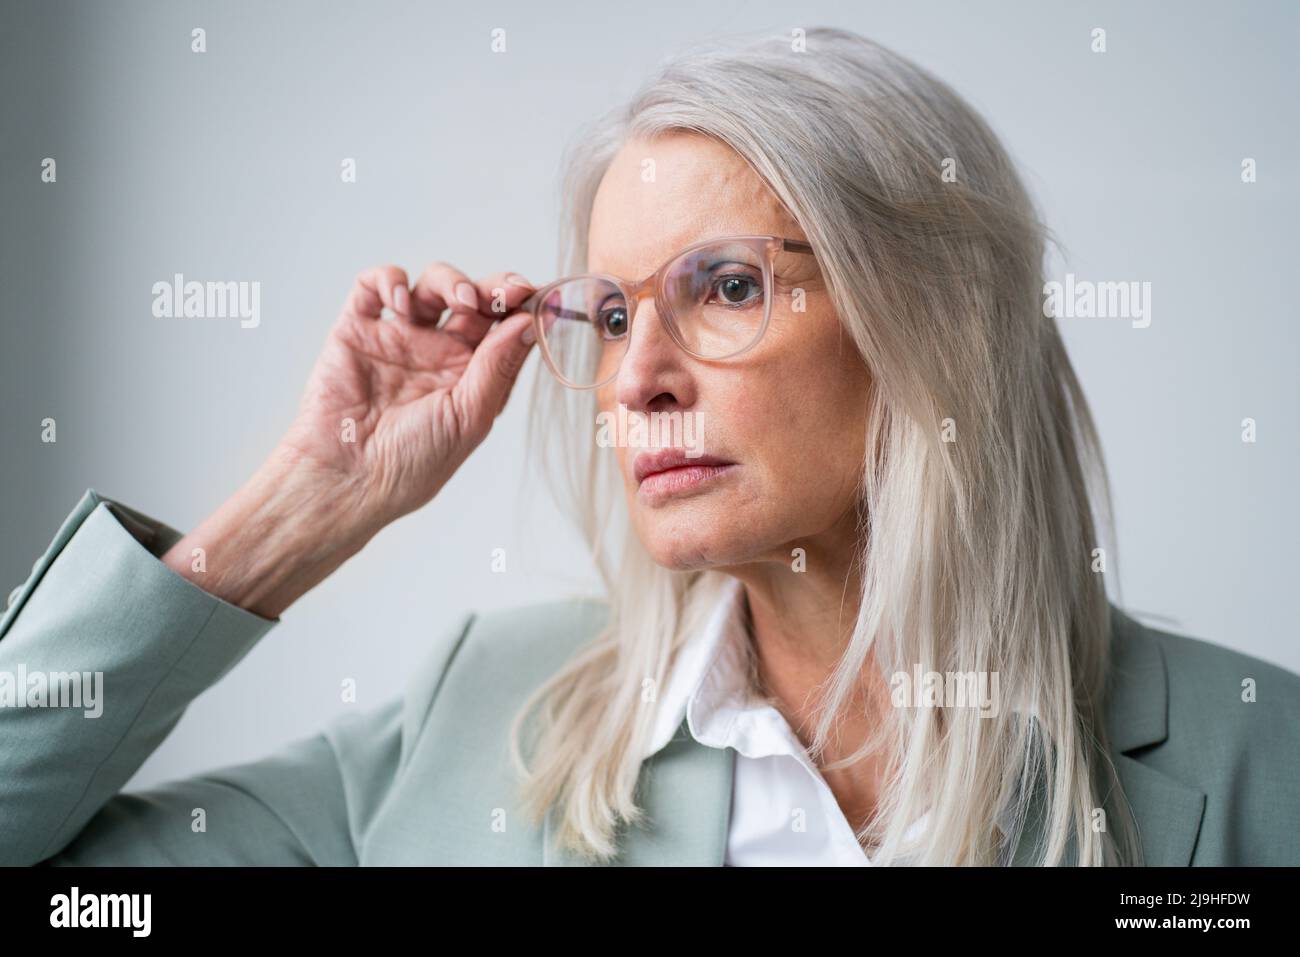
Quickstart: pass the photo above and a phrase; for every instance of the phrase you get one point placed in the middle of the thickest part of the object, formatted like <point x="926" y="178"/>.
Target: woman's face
<point x="784" y="423"/>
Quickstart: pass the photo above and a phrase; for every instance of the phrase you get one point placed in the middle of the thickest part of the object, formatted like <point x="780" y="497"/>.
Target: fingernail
<point x="466" y="294"/>
<point x="528" y="336"/>
<point x="517" y="280"/>
<point x="401" y="299"/>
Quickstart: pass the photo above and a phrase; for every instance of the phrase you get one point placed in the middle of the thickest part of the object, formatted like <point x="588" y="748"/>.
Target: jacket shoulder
<point x="1217" y="686"/>
<point x="544" y="633"/>
<point x="1232" y="723"/>
<point x="502" y="655"/>
<point x="493" y="659"/>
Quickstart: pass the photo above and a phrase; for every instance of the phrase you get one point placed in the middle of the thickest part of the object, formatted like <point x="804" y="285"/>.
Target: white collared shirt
<point x="782" y="810"/>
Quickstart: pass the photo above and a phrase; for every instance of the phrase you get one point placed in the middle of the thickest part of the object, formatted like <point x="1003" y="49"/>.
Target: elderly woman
<point x="859" y="618"/>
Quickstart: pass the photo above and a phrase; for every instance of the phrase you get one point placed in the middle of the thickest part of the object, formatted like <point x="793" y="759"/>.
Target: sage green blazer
<point x="425" y="779"/>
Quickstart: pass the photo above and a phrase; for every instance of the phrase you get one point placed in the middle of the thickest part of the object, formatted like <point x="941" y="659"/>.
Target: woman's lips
<point x="668" y="472"/>
<point x="663" y="485"/>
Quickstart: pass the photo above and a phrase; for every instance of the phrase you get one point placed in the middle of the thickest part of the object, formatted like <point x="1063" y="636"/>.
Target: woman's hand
<point x="392" y="409"/>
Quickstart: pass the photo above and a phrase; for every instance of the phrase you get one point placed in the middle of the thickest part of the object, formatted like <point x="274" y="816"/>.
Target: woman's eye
<point x="612" y="322"/>
<point x="736" y="290"/>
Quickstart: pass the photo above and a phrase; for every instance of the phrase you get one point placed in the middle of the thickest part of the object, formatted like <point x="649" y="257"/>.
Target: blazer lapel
<point x="1168" y="812"/>
<point x="685" y="790"/>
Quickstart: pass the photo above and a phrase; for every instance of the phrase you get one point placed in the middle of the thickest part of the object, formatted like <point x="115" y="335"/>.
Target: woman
<point x="856" y="606"/>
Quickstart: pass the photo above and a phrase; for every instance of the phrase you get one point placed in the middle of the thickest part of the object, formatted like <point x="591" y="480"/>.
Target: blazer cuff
<point x="100" y="604"/>
<point x="117" y="538"/>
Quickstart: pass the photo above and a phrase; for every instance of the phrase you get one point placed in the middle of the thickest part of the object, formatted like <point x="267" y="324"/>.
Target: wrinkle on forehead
<point x="700" y="189"/>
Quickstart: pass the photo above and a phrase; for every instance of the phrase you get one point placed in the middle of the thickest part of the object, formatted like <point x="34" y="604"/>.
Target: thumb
<point x="485" y="386"/>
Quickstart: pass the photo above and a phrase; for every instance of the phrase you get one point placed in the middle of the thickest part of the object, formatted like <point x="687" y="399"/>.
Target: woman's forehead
<point x="659" y="196"/>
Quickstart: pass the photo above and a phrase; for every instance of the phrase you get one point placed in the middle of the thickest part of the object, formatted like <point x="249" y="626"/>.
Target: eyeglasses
<point x="714" y="298"/>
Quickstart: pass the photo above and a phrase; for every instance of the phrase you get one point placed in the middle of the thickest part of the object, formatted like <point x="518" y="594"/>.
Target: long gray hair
<point x="977" y="533"/>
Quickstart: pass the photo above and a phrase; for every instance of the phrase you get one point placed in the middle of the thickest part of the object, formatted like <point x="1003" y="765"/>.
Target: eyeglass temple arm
<point x="557" y="313"/>
<point x="796" y="246"/>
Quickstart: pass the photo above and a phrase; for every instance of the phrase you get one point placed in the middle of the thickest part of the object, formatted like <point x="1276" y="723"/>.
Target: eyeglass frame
<point x="633" y="292"/>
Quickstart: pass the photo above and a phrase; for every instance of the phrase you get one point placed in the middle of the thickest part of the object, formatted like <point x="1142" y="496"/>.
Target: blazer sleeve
<point x="100" y="602"/>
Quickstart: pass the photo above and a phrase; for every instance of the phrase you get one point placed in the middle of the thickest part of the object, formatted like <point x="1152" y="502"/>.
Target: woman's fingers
<point x="483" y="389"/>
<point x="504" y="292"/>
<point x="441" y="287"/>
<point x="498" y="297"/>
<point x="485" y="316"/>
<point x="376" y="288"/>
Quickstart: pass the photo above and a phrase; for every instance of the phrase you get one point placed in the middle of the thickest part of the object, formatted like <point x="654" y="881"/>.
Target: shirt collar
<point x="708" y="690"/>
<point x="706" y="666"/>
<point x="708" y="693"/>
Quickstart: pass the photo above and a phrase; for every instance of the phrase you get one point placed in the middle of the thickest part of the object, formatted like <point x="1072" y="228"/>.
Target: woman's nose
<point x="652" y="365"/>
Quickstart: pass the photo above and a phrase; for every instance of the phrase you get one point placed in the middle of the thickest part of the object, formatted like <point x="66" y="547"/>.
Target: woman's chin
<point x="679" y="560"/>
<point x="694" y="549"/>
